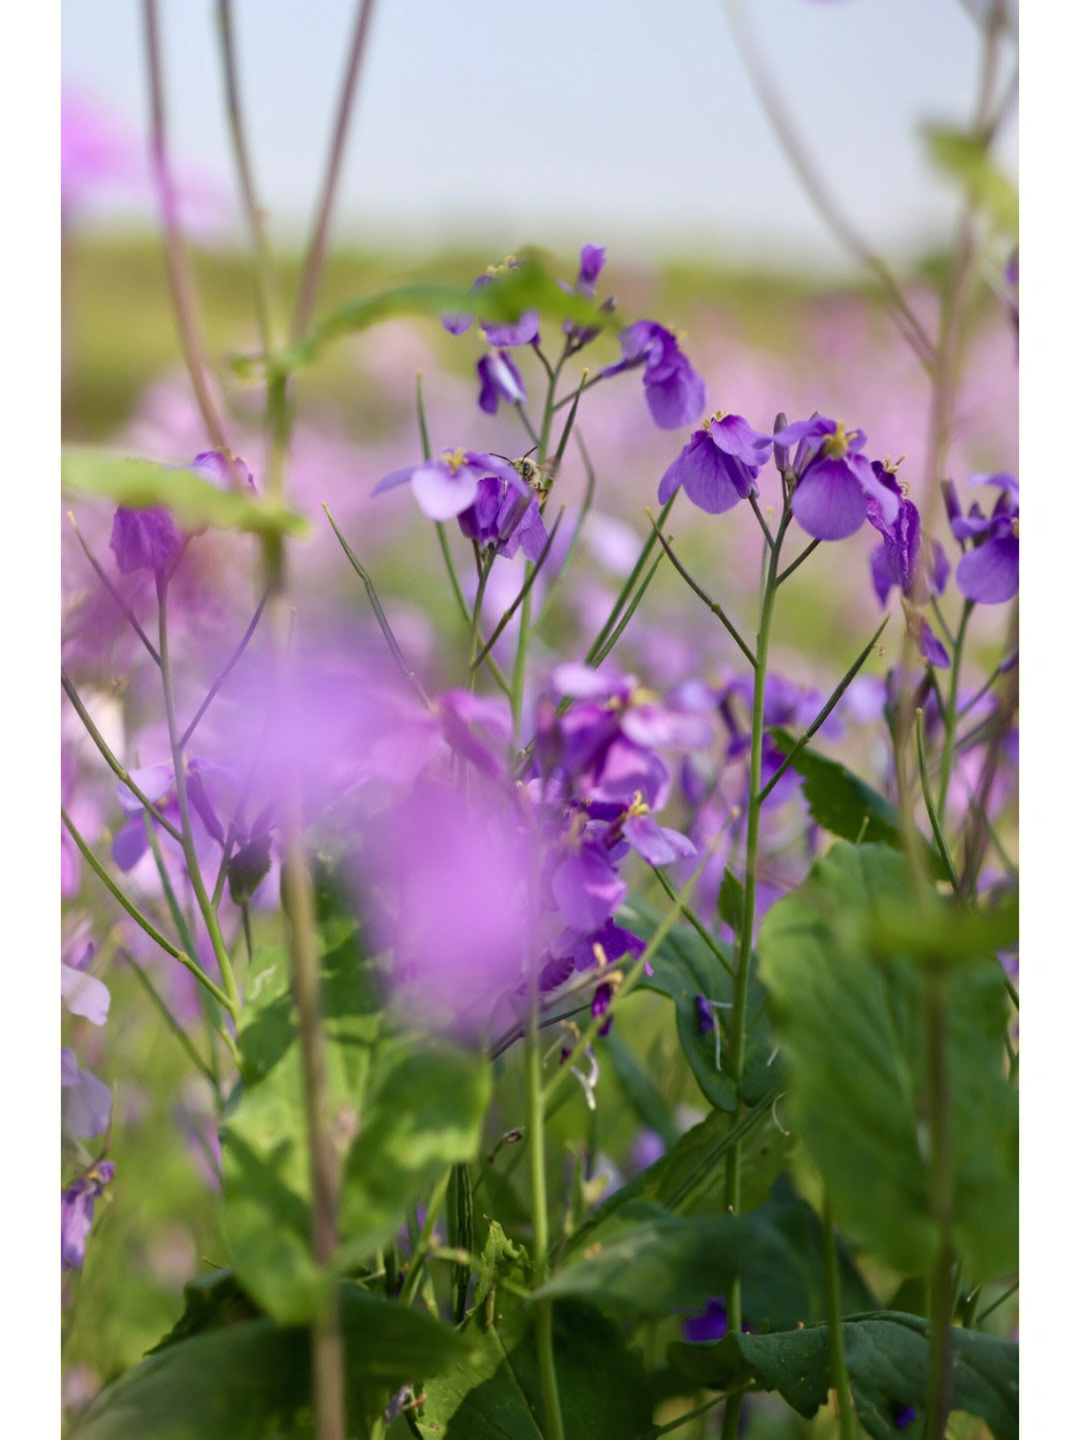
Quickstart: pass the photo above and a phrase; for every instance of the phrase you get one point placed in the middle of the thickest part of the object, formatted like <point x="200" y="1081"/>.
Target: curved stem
<point x="264" y="264"/>
<point x="180" y="280"/>
<point x="305" y="300"/>
<point x="202" y="899"/>
<point x="845" y="232"/>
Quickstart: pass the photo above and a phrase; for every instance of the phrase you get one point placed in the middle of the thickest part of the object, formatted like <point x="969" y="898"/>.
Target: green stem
<point x="939" y="1389"/>
<point x="206" y="909"/>
<point x="628" y="585"/>
<point x="414" y="1273"/>
<point x="111" y="760"/>
<point x="541" y="1241"/>
<point x="949" y="718"/>
<point x="696" y="588"/>
<point x="840" y="1380"/>
<point x="170" y="1019"/>
<point x="931" y="809"/>
<point x="141" y="920"/>
<point x="737" y="1033"/>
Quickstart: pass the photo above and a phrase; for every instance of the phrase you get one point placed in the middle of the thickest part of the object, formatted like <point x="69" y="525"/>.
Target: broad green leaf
<point x="252" y="1379"/>
<point x="887" y="1358"/>
<point x="424" y="1111"/>
<point x="640" y="1089"/>
<point x="684" y="968"/>
<point x="527" y="286"/>
<point x="192" y="501"/>
<point x="264" y="1136"/>
<point x="647" y="1262"/>
<point x="967" y="159"/>
<point x="689" y="1180"/>
<point x="851" y="1025"/>
<point x="496" y="1396"/>
<point x="845" y="805"/>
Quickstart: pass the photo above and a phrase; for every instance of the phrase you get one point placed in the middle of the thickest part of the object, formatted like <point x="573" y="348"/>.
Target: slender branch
<point x="803" y="555"/>
<point x="530" y="580"/>
<point x="628" y="585"/>
<point x="628" y="613"/>
<point x="688" y="914"/>
<point x="705" y="599"/>
<point x="226" y="672"/>
<point x="845" y="232"/>
<point x="384" y="624"/>
<point x="180" y="279"/>
<point x="111" y="588"/>
<point x="931" y="808"/>
<point x="837" y="1359"/>
<point x="170" y="1019"/>
<point x="202" y="899"/>
<point x="114" y="765"/>
<point x="140" y="919"/>
<point x="264" y="264"/>
<point x="305" y="300"/>
<point x="825" y="711"/>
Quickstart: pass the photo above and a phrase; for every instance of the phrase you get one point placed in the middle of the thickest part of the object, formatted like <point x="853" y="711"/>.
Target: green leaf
<point x="684" y="967"/>
<point x="252" y="1379"/>
<point x="192" y="501"/>
<point x="689" y="1180"/>
<point x="887" y="1360"/>
<point x="424" y="1112"/>
<point x="845" y="805"/>
<point x="731" y="901"/>
<point x="851" y="1026"/>
<point x="510" y="293"/>
<point x="968" y="160"/>
<point x="496" y="1395"/>
<point x="640" y="1089"/>
<point x="647" y="1262"/>
<point x="264" y="1135"/>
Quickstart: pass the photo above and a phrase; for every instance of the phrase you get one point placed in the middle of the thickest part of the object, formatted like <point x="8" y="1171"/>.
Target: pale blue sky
<point x="555" y="123"/>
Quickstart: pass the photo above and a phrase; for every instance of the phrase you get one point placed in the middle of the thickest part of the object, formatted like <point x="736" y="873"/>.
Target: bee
<point x="537" y="477"/>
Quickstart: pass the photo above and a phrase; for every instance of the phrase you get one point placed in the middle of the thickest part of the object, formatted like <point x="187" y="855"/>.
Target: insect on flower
<point x="538" y="477"/>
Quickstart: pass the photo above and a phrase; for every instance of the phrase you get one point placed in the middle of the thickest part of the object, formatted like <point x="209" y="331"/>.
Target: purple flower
<point x="500" y="379"/>
<point x="84" y="1100"/>
<point x="592" y="262"/>
<point x="503" y="517"/>
<point x="711" y="1324"/>
<point x="148" y="539"/>
<point x="144" y="540"/>
<point x="835" y="483"/>
<point x="989" y="572"/>
<point x="930" y="647"/>
<point x="719" y="466"/>
<point x="674" y="390"/>
<point x="449" y="484"/>
<point x="77" y="1213"/>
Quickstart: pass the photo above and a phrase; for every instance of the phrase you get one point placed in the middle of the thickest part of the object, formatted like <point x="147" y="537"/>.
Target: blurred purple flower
<point x="85" y="1101"/>
<point x="456" y="872"/>
<point x="719" y="466"/>
<point x="500" y="379"/>
<point x="711" y="1324"/>
<point x="148" y="539"/>
<point x="835" y="483"/>
<point x="988" y="573"/>
<point x="77" y="1213"/>
<point x="674" y="390"/>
